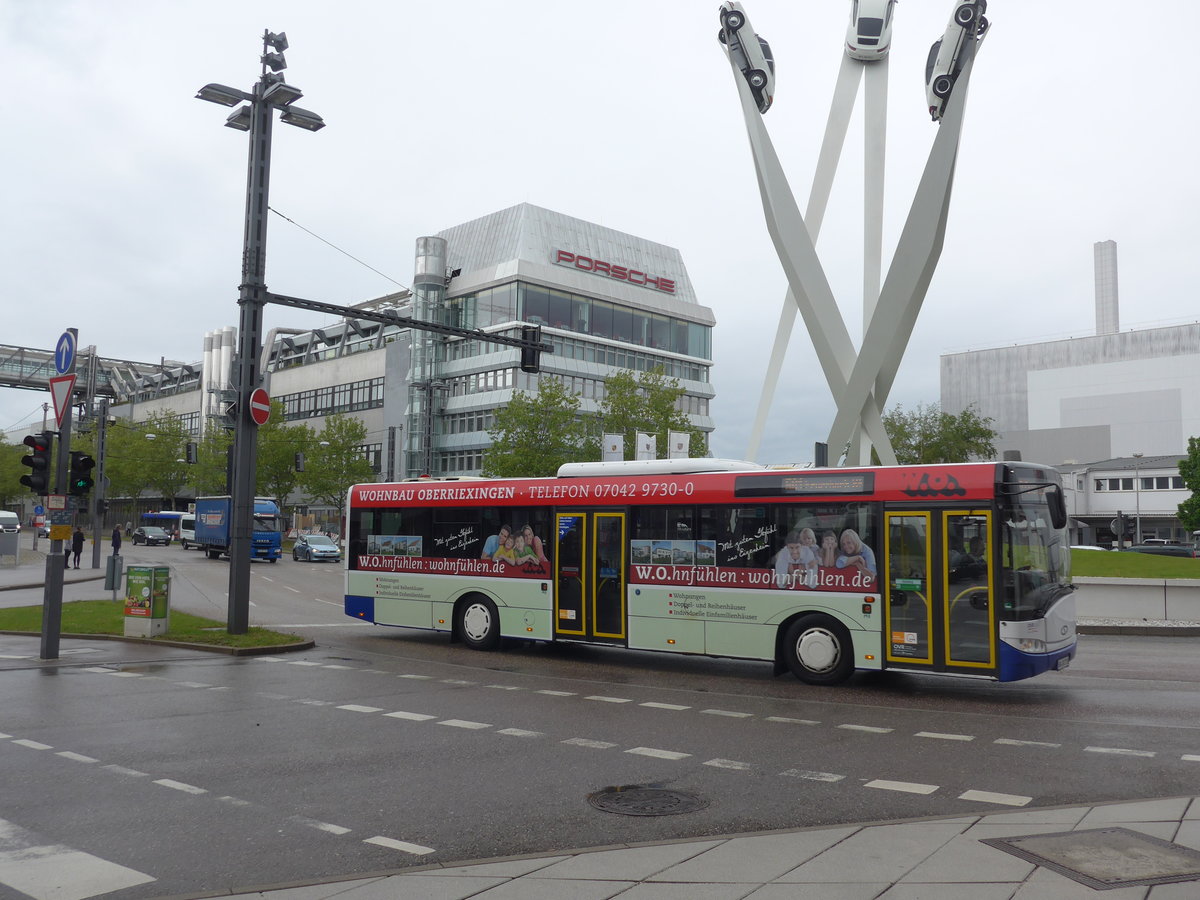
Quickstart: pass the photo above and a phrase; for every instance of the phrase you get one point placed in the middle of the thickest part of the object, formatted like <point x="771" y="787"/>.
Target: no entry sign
<point x="260" y="406"/>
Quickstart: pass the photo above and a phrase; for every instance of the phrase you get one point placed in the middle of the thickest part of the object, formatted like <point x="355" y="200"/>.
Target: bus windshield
<point x="1036" y="559"/>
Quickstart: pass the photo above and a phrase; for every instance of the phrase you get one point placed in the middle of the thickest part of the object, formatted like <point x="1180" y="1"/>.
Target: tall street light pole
<point x="1137" y="494"/>
<point x="257" y="117"/>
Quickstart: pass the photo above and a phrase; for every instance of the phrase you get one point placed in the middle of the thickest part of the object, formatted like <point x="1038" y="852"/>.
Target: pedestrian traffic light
<point x="38" y="480"/>
<point x="531" y="357"/>
<point x="79" y="480"/>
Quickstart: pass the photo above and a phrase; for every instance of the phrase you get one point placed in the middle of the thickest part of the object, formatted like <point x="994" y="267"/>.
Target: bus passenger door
<point x="937" y="594"/>
<point x="589" y="577"/>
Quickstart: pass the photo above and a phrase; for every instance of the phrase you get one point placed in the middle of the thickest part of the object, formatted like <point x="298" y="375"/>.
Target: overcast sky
<point x="124" y="196"/>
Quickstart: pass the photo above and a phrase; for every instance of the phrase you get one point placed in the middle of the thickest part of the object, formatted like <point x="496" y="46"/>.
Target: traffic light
<point x="299" y="462"/>
<point x="190" y="453"/>
<point x="38" y="480"/>
<point x="531" y="357"/>
<point x="79" y="480"/>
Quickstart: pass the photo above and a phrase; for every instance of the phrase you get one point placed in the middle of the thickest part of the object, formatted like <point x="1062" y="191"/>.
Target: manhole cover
<point x="1105" y="858"/>
<point x="638" y="800"/>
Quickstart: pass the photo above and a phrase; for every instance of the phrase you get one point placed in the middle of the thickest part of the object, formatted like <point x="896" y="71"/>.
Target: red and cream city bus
<point x="945" y="569"/>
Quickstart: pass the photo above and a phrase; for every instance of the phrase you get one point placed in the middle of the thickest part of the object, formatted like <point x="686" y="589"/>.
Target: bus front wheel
<point x="818" y="650"/>
<point x="479" y="623"/>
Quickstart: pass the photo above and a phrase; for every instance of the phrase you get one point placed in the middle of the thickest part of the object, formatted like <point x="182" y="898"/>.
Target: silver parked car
<point x="942" y="68"/>
<point x="749" y="52"/>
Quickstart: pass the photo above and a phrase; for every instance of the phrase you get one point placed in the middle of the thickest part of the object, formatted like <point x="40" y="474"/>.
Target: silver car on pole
<point x="749" y="52"/>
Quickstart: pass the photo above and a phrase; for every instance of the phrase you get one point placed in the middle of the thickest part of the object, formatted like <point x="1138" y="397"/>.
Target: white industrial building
<point x="1112" y="411"/>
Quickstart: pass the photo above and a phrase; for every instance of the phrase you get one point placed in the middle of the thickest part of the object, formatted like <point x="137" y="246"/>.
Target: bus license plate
<point x="1063" y="663"/>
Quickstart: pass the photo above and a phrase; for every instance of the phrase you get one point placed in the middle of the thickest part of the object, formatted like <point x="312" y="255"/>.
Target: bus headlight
<point x="1031" y="645"/>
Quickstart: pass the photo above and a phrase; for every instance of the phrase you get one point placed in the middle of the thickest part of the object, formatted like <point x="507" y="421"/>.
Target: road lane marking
<point x="1011" y="743"/>
<point x="457" y="681"/>
<point x="417" y="677"/>
<point x="78" y="757"/>
<point x="193" y="684"/>
<point x="727" y="713"/>
<point x="907" y="787"/>
<point x="234" y="801"/>
<point x="292" y="589"/>
<point x="180" y="786"/>
<point x="321" y="826"/>
<point x="504" y="687"/>
<point x="33" y="745"/>
<point x="463" y="723"/>
<point x="415" y="717"/>
<point x="729" y="764"/>
<point x="1117" y="751"/>
<point x="304" y="662"/>
<point x="336" y="666"/>
<point x="585" y="742"/>
<point x="674" y="706"/>
<point x="1188" y="757"/>
<point x="788" y="721"/>
<point x="868" y="728"/>
<point x="415" y="849"/>
<point x="989" y="797"/>
<point x="56" y="872"/>
<point x="945" y="737"/>
<point x="829" y="777"/>
<point x="353" y="707"/>
<point x="557" y="693"/>
<point x="658" y="754"/>
<point x="122" y="770"/>
<point x="600" y="699"/>
<point x="520" y="732"/>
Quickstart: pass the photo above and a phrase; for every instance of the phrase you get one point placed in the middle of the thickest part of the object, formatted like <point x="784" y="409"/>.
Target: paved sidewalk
<point x="927" y="859"/>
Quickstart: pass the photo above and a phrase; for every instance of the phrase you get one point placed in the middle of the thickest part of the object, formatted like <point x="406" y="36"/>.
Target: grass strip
<point x="108" y="617"/>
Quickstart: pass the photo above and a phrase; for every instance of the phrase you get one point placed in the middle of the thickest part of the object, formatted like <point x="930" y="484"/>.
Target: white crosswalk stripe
<point x="47" y="871"/>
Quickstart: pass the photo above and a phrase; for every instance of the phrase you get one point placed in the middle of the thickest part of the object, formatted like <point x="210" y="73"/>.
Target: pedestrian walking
<point x="116" y="540"/>
<point x="77" y="544"/>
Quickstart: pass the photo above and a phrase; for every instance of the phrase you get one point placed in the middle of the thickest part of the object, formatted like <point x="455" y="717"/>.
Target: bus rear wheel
<point x="479" y="623"/>
<point x="818" y="650"/>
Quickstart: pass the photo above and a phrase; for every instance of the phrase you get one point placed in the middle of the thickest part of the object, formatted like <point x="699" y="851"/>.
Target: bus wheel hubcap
<point x="818" y="650"/>
<point x="477" y="622"/>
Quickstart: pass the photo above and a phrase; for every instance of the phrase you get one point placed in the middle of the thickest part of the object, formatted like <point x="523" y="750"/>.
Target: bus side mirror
<point x="1058" y="507"/>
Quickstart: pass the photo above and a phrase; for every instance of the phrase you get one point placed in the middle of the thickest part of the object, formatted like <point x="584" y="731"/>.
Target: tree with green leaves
<point x="1189" y="469"/>
<point x="536" y="433"/>
<point x="11" y="471"/>
<point x="212" y="459"/>
<point x="928" y="434"/>
<point x="336" y="462"/>
<point x="278" y="444"/>
<point x="647" y="402"/>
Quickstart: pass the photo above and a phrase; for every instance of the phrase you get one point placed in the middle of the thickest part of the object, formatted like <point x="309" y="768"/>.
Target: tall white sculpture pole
<point x="860" y="382"/>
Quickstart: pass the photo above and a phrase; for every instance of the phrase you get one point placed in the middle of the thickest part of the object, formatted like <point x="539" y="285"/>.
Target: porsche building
<point x="606" y="301"/>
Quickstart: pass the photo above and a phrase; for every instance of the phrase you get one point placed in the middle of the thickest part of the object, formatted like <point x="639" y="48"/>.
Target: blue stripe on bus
<point x="1015" y="665"/>
<point x="360" y="607"/>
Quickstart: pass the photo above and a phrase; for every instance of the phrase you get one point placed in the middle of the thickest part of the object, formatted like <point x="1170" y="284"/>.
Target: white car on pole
<point x="750" y="53"/>
<point x="869" y="36"/>
<point x="945" y="62"/>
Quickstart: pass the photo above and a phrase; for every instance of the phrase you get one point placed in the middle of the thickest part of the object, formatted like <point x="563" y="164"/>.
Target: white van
<point x="9" y="522"/>
<point x="187" y="530"/>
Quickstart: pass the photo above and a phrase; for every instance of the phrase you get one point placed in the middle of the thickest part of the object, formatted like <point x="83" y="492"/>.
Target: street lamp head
<point x="281" y="94"/>
<point x="222" y="94"/>
<point x="1137" y="456"/>
<point x="239" y="119"/>
<point x="302" y="118"/>
<point x="151" y="436"/>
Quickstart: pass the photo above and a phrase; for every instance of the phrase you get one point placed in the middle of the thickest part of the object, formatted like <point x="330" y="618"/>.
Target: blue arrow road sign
<point x="64" y="353"/>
